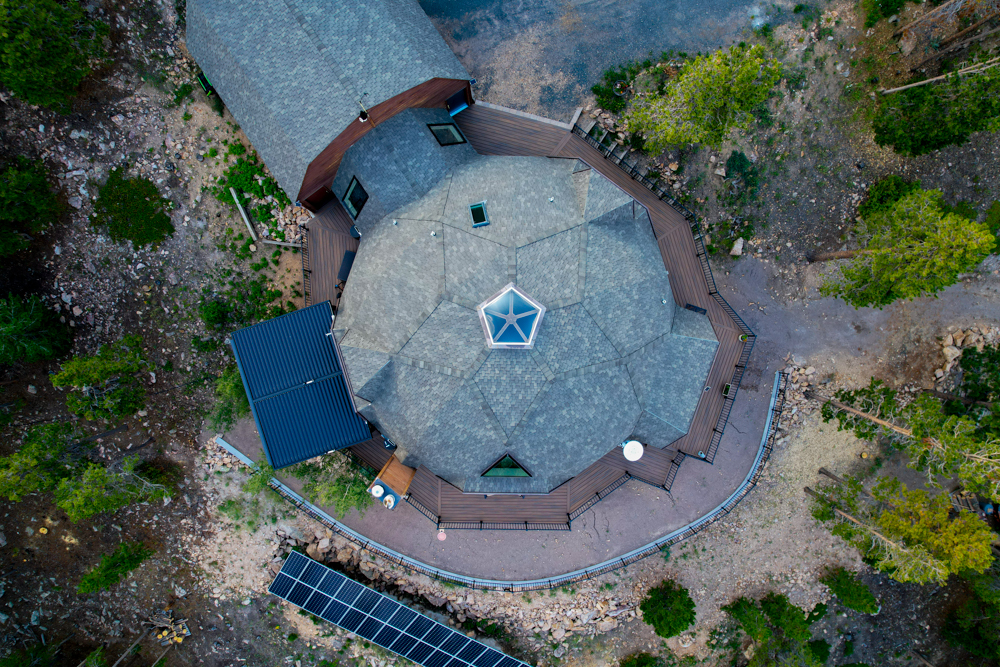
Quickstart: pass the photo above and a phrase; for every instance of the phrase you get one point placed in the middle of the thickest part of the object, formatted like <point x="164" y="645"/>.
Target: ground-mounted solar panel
<point x="378" y="618"/>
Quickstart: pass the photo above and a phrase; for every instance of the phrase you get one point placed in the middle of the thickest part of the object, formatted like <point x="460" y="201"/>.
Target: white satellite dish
<point x="633" y="450"/>
<point x="389" y="501"/>
<point x="378" y="491"/>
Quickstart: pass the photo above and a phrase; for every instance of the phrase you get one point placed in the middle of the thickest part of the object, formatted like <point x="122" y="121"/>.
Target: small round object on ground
<point x="633" y="450"/>
<point x="442" y="536"/>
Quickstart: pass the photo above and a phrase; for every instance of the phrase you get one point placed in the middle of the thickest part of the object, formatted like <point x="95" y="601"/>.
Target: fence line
<point x="692" y="529"/>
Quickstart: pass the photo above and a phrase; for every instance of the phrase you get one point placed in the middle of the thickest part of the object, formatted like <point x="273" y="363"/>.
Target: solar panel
<point x="378" y="618"/>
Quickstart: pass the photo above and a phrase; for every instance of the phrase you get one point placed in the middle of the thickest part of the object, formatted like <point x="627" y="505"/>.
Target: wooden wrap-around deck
<point x="326" y="239"/>
<point x="496" y="131"/>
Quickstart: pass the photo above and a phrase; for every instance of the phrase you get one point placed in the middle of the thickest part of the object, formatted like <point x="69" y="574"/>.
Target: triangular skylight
<point x="510" y="318"/>
<point x="506" y="467"/>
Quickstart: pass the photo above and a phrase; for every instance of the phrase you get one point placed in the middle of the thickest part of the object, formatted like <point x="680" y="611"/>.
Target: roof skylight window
<point x="506" y="467"/>
<point x="510" y="318"/>
<point x="478" y="213"/>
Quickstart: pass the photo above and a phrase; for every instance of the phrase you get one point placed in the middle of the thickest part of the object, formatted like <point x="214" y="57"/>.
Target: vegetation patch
<point x="231" y="402"/>
<point x="105" y="385"/>
<point x="27" y="203"/>
<point x="131" y="209"/>
<point x="850" y="590"/>
<point x="668" y="608"/>
<point x="30" y="331"/>
<point x="114" y="567"/>
<point x="335" y="481"/>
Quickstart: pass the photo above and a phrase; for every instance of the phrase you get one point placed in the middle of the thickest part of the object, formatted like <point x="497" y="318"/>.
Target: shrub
<point x="114" y="566"/>
<point x="668" y="608"/>
<point x="231" y="402"/>
<point x="105" y="385"/>
<point x="778" y="630"/>
<point x="640" y="660"/>
<point x="259" y="478"/>
<point x="604" y="91"/>
<point x="247" y="175"/>
<point x="29" y="331"/>
<point x="923" y="119"/>
<point x="131" y="209"/>
<point x="47" y="49"/>
<point x="97" y="489"/>
<point x="337" y="482"/>
<point x="27" y="203"/>
<point x="883" y="195"/>
<point x="245" y="301"/>
<point x="850" y="590"/>
<point x="880" y="9"/>
<point x="40" y="462"/>
<point x="820" y="649"/>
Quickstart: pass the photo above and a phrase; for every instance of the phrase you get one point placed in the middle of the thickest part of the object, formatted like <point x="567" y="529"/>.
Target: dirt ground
<point x="214" y="546"/>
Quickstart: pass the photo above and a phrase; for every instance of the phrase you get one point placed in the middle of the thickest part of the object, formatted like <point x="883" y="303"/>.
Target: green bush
<point x="131" y="209"/>
<point x="105" y="385"/>
<point x="47" y="50"/>
<point x="247" y="175"/>
<point x="850" y="590"/>
<point x="244" y="301"/>
<point x="820" y="649"/>
<point x="993" y="218"/>
<point x="29" y="331"/>
<point x="336" y="481"/>
<point x="640" y="660"/>
<point x="778" y="630"/>
<point x="231" y="402"/>
<point x="27" y="203"/>
<point x="923" y="119"/>
<point x="668" y="608"/>
<point x="880" y="9"/>
<point x="114" y="566"/>
<point x="604" y="91"/>
<point x="884" y="194"/>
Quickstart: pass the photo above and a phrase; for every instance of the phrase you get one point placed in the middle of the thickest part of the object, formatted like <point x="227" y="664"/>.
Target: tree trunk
<point x="826" y="256"/>
<point x="952" y="397"/>
<point x="859" y="413"/>
<point x="864" y="525"/>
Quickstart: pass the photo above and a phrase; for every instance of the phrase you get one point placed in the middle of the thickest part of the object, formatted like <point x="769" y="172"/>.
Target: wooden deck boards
<point x="494" y="131"/>
<point x="329" y="237"/>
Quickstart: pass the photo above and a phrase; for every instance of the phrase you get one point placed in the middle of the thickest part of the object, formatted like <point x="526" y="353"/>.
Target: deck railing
<point x="747" y="335"/>
<point x="665" y="542"/>
<point x="306" y="271"/>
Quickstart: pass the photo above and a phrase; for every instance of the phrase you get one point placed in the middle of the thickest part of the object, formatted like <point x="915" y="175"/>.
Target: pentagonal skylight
<point x="511" y="318"/>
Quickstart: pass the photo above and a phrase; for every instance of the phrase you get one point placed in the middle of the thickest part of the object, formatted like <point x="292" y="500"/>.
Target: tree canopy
<point x="907" y="533"/>
<point x="710" y="96"/>
<point x="27" y="203"/>
<point x="105" y="385"/>
<point x="911" y="250"/>
<point x="668" y="608"/>
<point x="778" y="630"/>
<point x="46" y="49"/>
<point x="30" y="331"/>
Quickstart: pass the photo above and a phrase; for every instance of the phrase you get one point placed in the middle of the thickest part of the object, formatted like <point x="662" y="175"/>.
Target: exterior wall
<point x="398" y="162"/>
<point x="321" y="171"/>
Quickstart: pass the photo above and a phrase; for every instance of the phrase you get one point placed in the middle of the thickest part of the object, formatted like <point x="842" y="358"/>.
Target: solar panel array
<point x="379" y="619"/>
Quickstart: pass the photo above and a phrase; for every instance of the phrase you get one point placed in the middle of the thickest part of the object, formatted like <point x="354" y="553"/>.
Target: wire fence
<point x="414" y="566"/>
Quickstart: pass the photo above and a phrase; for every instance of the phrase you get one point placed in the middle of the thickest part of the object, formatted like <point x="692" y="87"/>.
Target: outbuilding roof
<point x="293" y="72"/>
<point x="299" y="394"/>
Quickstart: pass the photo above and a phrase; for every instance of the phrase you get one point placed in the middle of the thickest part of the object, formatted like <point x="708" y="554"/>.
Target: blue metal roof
<point x="299" y="394"/>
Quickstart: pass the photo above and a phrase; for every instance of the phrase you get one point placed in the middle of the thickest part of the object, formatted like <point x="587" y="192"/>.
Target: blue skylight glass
<point x="511" y="318"/>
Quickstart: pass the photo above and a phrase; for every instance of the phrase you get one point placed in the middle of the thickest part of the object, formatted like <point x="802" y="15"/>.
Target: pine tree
<point x="911" y="250"/>
<point x="29" y="331"/>
<point x="105" y="385"/>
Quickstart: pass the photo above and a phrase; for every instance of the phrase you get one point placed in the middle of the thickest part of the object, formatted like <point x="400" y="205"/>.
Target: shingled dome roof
<point x="613" y="358"/>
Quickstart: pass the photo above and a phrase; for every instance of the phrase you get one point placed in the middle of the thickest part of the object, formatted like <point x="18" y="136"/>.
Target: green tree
<point x="923" y="119"/>
<point x="46" y="49"/>
<point x="710" y="96"/>
<point x="912" y="250"/>
<point x="114" y="567"/>
<point x="43" y="459"/>
<point x="668" y="608"/>
<point x="105" y="385"/>
<point x="29" y="331"/>
<point x="231" y="402"/>
<point x="975" y="624"/>
<point x="881" y="196"/>
<point x="778" y="630"/>
<point x="937" y="442"/>
<point x="27" y="203"/>
<point x="131" y="209"/>
<point x="335" y="481"/>
<point x="96" y="490"/>
<point x="909" y="534"/>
